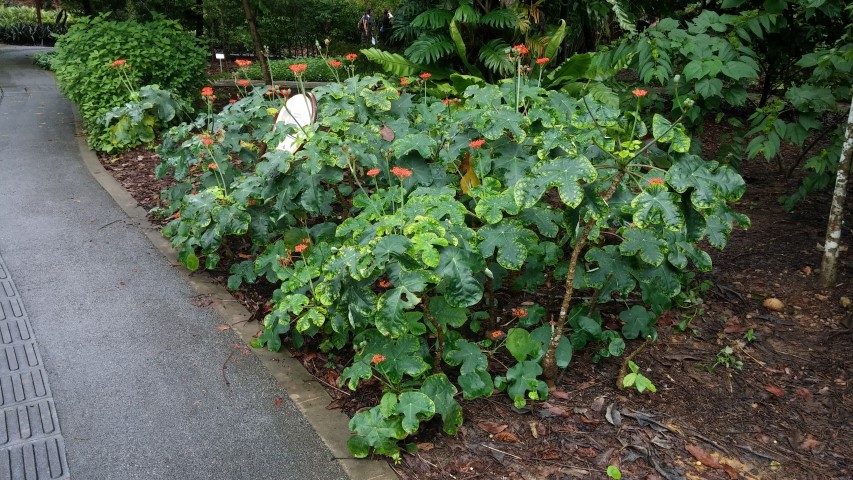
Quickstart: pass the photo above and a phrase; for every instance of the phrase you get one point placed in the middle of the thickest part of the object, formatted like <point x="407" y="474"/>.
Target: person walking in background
<point x="386" y="25"/>
<point x="365" y="26"/>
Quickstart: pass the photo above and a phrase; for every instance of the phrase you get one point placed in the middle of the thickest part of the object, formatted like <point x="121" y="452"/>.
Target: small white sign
<point x="220" y="56"/>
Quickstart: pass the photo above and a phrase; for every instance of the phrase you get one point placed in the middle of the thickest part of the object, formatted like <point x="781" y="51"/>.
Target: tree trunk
<point x="199" y="18"/>
<point x="828" y="269"/>
<point x="256" y="39"/>
<point x="38" y="12"/>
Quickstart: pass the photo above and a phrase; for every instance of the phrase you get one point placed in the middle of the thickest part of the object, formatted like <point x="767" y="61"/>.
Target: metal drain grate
<point x="31" y="445"/>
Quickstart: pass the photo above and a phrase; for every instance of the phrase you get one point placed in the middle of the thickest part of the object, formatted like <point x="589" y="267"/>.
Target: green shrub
<point x="12" y="15"/>
<point x="157" y="52"/>
<point x="44" y="59"/>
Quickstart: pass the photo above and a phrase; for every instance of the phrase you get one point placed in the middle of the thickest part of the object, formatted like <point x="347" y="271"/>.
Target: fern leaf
<point x="393" y="63"/>
<point x="494" y="57"/>
<point x="501" y="18"/>
<point x="429" y="48"/>
<point x="623" y="15"/>
<point x="433" y="19"/>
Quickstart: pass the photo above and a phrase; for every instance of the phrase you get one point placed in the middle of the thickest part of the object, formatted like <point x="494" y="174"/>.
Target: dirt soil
<point x="777" y="407"/>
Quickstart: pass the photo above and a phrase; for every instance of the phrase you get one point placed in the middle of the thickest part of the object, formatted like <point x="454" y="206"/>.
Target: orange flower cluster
<point x="118" y="63"/>
<point x="205" y="139"/>
<point x="451" y="101"/>
<point x="497" y="334"/>
<point x="542" y="60"/>
<point x="401" y="172"/>
<point x="521" y="49"/>
<point x="656" y="181"/>
<point x="384" y="283"/>
<point x="207" y="92"/>
<point x="519" y="312"/>
<point x="377" y="359"/>
<point x="243" y="63"/>
<point x="373" y="172"/>
<point x="477" y="143"/>
<point x="351" y="57"/>
<point x="639" y="93"/>
<point x="298" y="68"/>
<point x="404" y="81"/>
<point x="335" y="63"/>
<point x="243" y="82"/>
<point x="212" y="166"/>
<point x="425" y="75"/>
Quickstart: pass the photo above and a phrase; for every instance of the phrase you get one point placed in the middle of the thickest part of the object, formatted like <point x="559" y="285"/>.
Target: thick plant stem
<point x="828" y="269"/>
<point x="256" y="40"/>
<point x="439" y="340"/>
<point x="623" y="370"/>
<point x="549" y="363"/>
<point x="491" y="289"/>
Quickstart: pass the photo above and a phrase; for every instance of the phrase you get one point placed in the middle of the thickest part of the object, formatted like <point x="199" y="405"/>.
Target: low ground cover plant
<point x="19" y="25"/>
<point x="389" y="232"/>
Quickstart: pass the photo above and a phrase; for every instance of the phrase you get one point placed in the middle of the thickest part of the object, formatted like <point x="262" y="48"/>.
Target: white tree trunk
<point x="828" y="269"/>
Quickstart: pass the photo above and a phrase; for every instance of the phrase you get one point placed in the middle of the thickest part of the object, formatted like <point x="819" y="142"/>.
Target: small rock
<point x="774" y="304"/>
<point x="845" y="302"/>
<point x="820" y="297"/>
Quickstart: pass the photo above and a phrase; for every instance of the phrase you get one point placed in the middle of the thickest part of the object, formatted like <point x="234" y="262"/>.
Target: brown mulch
<point x="786" y="414"/>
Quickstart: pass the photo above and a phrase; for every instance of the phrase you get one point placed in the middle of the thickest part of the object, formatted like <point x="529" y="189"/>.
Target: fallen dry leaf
<point x="776" y="391"/>
<point x="277" y="401"/>
<point x="550" y="455"/>
<point x="704" y="457"/>
<point x="804" y="393"/>
<point x="223" y="327"/>
<point x="425" y="446"/>
<point x="492" y="427"/>
<point x="560" y="394"/>
<point x="810" y="443"/>
<point x="507" y="437"/>
<point x="556" y="410"/>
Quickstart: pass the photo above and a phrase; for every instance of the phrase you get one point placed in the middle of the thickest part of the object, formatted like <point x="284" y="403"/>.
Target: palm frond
<point x="494" y="57"/>
<point x="501" y="18"/>
<point x="393" y="63"/>
<point x="429" y="48"/>
<point x="434" y="18"/>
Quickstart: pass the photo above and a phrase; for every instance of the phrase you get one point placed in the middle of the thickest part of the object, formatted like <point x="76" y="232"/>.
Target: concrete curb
<point x="308" y="395"/>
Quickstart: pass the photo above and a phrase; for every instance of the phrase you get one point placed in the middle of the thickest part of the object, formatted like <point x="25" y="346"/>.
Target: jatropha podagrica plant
<point x="390" y="231"/>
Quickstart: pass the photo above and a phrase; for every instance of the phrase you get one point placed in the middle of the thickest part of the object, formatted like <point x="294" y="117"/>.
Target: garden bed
<point x="784" y="414"/>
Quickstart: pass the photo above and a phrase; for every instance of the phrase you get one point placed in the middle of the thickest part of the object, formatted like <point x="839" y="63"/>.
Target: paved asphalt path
<point x="134" y="367"/>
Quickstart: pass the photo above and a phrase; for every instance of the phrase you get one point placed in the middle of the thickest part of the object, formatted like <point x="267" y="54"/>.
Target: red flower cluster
<point x="205" y="139"/>
<point x="373" y="172"/>
<point x="404" y="81"/>
<point x="542" y="60"/>
<point x="302" y="246"/>
<point x="212" y="166"/>
<point x="243" y="63"/>
<point x="519" y="312"/>
<point x="118" y="63"/>
<point x="639" y="93"/>
<point x="335" y="63"/>
<point x="497" y="334"/>
<point x="401" y="172"/>
<point x="425" y="75"/>
<point x="207" y="92"/>
<point x="243" y="82"/>
<point x="521" y="49"/>
<point x="656" y="181"/>
<point x="384" y="284"/>
<point x="351" y="56"/>
<point x="298" y="68"/>
<point x="377" y="359"/>
<point x="451" y="101"/>
<point x="477" y="143"/>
